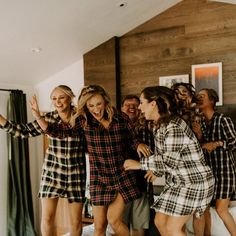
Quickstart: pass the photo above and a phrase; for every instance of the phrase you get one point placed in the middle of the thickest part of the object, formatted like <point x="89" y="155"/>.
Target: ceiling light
<point x="36" y="50"/>
<point x="122" y="4"/>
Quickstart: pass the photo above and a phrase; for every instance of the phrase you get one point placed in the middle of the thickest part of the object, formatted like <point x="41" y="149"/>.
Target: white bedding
<point x="217" y="225"/>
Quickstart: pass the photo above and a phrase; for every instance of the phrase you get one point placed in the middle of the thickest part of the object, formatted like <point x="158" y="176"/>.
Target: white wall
<point x="34" y="151"/>
<point x="72" y="76"/>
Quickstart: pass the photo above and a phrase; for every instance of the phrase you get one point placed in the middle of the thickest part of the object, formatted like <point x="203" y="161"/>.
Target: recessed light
<point x="122" y="4"/>
<point x="36" y="50"/>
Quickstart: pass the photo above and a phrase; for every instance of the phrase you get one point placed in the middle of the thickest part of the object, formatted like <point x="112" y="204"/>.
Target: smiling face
<point x="149" y="109"/>
<point x="96" y="106"/>
<point x="61" y="101"/>
<point x="183" y="93"/>
<point x="130" y="107"/>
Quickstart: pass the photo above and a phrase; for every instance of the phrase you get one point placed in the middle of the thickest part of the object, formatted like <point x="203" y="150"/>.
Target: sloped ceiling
<point x="63" y="31"/>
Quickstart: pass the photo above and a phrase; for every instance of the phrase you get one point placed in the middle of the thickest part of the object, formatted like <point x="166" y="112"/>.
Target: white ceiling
<point x="64" y="30"/>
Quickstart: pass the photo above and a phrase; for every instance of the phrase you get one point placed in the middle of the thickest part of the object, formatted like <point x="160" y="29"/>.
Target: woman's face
<point x="130" y="107"/>
<point x="96" y="106"/>
<point x="60" y="100"/>
<point x="149" y="109"/>
<point x="182" y="93"/>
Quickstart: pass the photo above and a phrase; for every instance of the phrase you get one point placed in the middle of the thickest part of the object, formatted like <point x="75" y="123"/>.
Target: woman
<point x="63" y="172"/>
<point x="109" y="135"/>
<point x="218" y="138"/>
<point x="189" y="181"/>
<point x="186" y="102"/>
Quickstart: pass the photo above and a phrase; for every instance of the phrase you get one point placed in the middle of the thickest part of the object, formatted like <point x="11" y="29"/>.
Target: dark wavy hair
<point x="165" y="100"/>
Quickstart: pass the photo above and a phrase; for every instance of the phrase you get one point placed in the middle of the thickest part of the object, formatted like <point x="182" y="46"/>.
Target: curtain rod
<point x="9" y="90"/>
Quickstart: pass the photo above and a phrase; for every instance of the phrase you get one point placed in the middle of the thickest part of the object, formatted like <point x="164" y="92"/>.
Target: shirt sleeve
<point x="228" y="129"/>
<point x="31" y="129"/>
<point x="131" y="137"/>
<point x="153" y="163"/>
<point x="171" y="143"/>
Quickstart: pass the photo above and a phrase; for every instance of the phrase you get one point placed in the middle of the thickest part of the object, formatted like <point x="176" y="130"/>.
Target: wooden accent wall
<point x="191" y="32"/>
<point x="101" y="66"/>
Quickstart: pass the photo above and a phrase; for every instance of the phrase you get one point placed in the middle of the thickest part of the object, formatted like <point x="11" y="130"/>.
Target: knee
<point x="100" y="227"/>
<point x="170" y="231"/>
<point x="221" y="211"/>
<point x="159" y="224"/>
<point x="76" y="223"/>
<point x="48" y="219"/>
<point x="114" y="222"/>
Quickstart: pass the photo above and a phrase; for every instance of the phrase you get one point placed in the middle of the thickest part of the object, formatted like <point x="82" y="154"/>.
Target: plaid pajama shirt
<point x="64" y="167"/>
<point x="108" y="148"/>
<point x="221" y="160"/>
<point x="189" y="181"/>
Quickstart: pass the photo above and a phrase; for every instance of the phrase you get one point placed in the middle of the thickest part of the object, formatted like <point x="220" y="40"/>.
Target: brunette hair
<point x="165" y="101"/>
<point x="128" y="97"/>
<point x="188" y="86"/>
<point x="212" y="94"/>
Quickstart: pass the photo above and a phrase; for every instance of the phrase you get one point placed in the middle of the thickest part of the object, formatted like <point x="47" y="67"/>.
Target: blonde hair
<point x="86" y="94"/>
<point x="65" y="89"/>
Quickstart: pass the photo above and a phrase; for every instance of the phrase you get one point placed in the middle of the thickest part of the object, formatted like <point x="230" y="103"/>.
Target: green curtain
<point x="20" y="206"/>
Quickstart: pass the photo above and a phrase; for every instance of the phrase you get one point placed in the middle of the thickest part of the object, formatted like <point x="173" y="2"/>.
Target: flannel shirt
<point x="64" y="167"/>
<point x="189" y="180"/>
<point x="108" y="148"/>
<point x="222" y="159"/>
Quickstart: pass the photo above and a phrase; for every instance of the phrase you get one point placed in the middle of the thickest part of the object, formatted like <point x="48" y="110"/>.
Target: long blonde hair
<point x="87" y="93"/>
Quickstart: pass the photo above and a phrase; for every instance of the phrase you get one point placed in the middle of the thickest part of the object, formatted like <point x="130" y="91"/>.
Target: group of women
<point x="193" y="177"/>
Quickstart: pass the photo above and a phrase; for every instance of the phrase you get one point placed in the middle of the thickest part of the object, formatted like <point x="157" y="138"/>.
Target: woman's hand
<point x="211" y="146"/>
<point x="132" y="165"/>
<point x="36" y="113"/>
<point x="144" y="150"/>
<point x="35" y="108"/>
<point x="150" y="176"/>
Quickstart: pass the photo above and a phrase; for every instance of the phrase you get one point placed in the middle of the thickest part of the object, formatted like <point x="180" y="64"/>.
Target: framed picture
<point x="168" y="81"/>
<point x="208" y="76"/>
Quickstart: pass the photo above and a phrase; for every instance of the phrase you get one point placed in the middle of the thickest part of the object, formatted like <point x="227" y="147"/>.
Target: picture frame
<point x="208" y="76"/>
<point x="168" y="81"/>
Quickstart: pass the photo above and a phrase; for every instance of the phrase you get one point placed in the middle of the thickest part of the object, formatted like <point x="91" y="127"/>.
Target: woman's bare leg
<point x="170" y="225"/>
<point x="115" y="216"/>
<point x="222" y="209"/>
<point x="75" y="215"/>
<point x="199" y="225"/>
<point x="174" y="225"/>
<point x="100" y="220"/>
<point x="160" y="221"/>
<point x="49" y="206"/>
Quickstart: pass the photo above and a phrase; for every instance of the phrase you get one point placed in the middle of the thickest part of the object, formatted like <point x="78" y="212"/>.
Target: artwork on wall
<point x="208" y="76"/>
<point x="168" y="81"/>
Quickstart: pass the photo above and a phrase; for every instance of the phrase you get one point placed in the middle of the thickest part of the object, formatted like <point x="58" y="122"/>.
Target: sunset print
<point x="208" y="76"/>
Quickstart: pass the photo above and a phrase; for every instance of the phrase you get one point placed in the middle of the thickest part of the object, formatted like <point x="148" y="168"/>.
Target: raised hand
<point x="35" y="108"/>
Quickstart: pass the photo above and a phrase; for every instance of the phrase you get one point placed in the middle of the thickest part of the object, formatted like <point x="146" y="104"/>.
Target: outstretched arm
<point x="3" y="120"/>
<point x="36" y="113"/>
